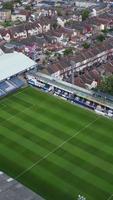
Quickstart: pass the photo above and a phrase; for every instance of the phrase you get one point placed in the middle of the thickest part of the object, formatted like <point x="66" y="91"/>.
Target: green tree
<point x="7" y="23"/>
<point x="18" y="1"/>
<point x="59" y="11"/>
<point x="8" y="5"/>
<point x="86" y="45"/>
<point x="111" y="29"/>
<point x="28" y="7"/>
<point x="85" y="14"/>
<point x="48" y="53"/>
<point x="106" y="85"/>
<point x="54" y="25"/>
<point x="57" y="55"/>
<point x="105" y="31"/>
<point x="101" y="37"/>
<point x="68" y="51"/>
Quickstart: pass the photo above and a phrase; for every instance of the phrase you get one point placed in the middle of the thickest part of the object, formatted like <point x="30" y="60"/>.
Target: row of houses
<point x="26" y="29"/>
<point x="44" y="25"/>
<point x="91" y="77"/>
<point x="81" y="60"/>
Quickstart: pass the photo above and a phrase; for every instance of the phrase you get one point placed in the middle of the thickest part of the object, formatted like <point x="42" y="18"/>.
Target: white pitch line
<point x="55" y="149"/>
<point x="109" y="198"/>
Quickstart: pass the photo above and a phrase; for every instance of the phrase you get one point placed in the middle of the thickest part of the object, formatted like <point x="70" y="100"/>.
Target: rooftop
<point x="14" y="63"/>
<point x="10" y="189"/>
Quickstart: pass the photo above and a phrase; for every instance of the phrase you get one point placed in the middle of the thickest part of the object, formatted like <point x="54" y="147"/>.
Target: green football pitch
<point x="56" y="149"/>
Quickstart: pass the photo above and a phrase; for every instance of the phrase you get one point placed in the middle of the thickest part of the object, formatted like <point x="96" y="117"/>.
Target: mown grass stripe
<point x="97" y="143"/>
<point x="40" y="133"/>
<point x="56" y="117"/>
<point x="77" y="161"/>
<point x="100" y="136"/>
<point x="53" y="124"/>
<point x="83" y="145"/>
<point x="16" y="155"/>
<point x="101" y="153"/>
<point x="33" y="111"/>
<point x="52" y="109"/>
<point x="30" y="149"/>
<point x="56" y="104"/>
<point x="78" y="177"/>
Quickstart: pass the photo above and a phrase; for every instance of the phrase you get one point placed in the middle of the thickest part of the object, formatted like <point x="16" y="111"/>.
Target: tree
<point x="86" y="45"/>
<point x="28" y="7"/>
<point x="59" y="11"/>
<point x="68" y="51"/>
<point x="54" y="25"/>
<point x="85" y="14"/>
<point x="8" y="5"/>
<point x="48" y="53"/>
<point x="18" y="1"/>
<point x="7" y="23"/>
<point x="101" y="37"/>
<point x="57" y="55"/>
<point x="106" y="85"/>
<point x="105" y="31"/>
<point x="111" y="29"/>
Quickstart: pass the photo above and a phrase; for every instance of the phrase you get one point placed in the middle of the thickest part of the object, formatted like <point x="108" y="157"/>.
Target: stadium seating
<point x="10" y="85"/>
<point x="16" y="81"/>
<point x="6" y="86"/>
<point x="3" y="86"/>
<point x="2" y="93"/>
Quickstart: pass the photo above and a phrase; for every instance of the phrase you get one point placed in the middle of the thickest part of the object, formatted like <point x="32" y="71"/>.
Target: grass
<point x="56" y="149"/>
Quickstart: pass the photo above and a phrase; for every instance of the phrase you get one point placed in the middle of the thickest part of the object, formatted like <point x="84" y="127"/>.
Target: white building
<point x="14" y="63"/>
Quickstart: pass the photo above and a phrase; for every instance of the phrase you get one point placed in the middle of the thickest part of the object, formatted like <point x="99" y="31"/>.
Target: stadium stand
<point x="3" y="86"/>
<point x="72" y="93"/>
<point x="11" y="66"/>
<point x="2" y="93"/>
<point x="16" y="81"/>
<point x="6" y="86"/>
<point x="10" y="85"/>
